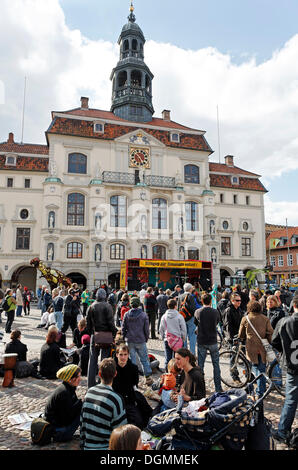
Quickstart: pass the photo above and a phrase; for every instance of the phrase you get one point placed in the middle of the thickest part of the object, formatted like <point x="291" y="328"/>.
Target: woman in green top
<point x="10" y="312"/>
<point x="85" y="298"/>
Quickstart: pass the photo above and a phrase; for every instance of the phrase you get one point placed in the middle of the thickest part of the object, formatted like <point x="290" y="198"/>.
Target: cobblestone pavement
<point x="30" y="395"/>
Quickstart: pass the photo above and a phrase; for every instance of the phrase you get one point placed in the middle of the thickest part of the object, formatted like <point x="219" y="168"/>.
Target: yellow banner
<point x="170" y="264"/>
<point x="123" y="275"/>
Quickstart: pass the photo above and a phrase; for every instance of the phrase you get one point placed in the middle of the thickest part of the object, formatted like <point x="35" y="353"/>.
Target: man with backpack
<point x="285" y="340"/>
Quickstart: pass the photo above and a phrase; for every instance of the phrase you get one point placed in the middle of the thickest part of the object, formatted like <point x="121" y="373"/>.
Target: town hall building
<point x="123" y="183"/>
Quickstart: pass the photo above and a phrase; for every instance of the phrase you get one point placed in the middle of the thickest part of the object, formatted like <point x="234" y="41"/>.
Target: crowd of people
<point x="111" y="329"/>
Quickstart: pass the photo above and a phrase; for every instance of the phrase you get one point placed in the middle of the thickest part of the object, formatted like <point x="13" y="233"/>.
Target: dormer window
<point x="11" y="160"/>
<point x="99" y="127"/>
<point x="175" y="137"/>
<point x="235" y="179"/>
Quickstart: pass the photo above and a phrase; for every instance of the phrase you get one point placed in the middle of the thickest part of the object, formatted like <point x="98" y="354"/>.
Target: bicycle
<point x="235" y="369"/>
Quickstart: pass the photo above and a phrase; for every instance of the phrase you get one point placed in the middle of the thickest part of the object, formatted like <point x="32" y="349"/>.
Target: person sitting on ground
<point x="192" y="378"/>
<point x="169" y="386"/>
<point x="63" y="407"/>
<point x="50" y="359"/>
<point x="137" y="409"/>
<point x="102" y="411"/>
<point x="16" y="346"/>
<point x="127" y="437"/>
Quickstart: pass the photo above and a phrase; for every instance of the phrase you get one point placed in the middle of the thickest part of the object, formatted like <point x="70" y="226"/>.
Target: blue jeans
<point x="93" y="361"/>
<point x="59" y="319"/>
<point x="192" y="337"/>
<point x="202" y="353"/>
<point x="140" y="349"/>
<point x="19" y="310"/>
<point x="261" y="383"/>
<point x="66" y="433"/>
<point x="169" y="354"/>
<point x="290" y="405"/>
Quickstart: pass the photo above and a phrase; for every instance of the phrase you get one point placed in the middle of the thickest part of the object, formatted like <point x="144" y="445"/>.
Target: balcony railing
<point x="130" y="178"/>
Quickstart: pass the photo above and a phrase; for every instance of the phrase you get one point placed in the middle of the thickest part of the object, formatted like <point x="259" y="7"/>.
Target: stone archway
<point x="79" y="278"/>
<point x="25" y="275"/>
<point x="224" y="272"/>
<point x="114" y="280"/>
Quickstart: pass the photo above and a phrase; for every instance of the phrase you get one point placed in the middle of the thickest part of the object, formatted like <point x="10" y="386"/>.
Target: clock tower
<point x="131" y="78"/>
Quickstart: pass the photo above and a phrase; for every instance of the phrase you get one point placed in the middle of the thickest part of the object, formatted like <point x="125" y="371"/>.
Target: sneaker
<point x="278" y="437"/>
<point x="149" y="380"/>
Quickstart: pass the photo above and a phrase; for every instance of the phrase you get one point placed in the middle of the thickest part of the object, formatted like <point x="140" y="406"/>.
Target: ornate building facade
<point x="111" y="185"/>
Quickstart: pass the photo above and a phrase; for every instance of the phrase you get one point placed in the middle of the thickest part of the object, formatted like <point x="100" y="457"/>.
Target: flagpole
<point x="289" y="251"/>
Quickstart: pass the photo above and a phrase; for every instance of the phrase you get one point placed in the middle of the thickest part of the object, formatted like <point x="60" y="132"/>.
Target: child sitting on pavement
<point x="168" y="386"/>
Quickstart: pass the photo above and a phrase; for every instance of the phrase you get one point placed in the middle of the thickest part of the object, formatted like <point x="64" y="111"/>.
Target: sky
<point x="237" y="58"/>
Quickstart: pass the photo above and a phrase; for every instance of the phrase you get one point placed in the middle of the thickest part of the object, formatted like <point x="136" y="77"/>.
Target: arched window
<point x="134" y="45"/>
<point x="191" y="174"/>
<point x="75" y="209"/>
<point x="118" y="211"/>
<point x="122" y="78"/>
<point x="159" y="213"/>
<point x="117" y="251"/>
<point x="126" y="45"/>
<point x="77" y="163"/>
<point x="159" y="252"/>
<point x="191" y="212"/>
<point x="74" y="250"/>
<point x="193" y="253"/>
<point x="136" y="78"/>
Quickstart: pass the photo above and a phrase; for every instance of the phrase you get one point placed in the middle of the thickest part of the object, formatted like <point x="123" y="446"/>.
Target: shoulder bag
<point x="174" y="342"/>
<point x="270" y="356"/>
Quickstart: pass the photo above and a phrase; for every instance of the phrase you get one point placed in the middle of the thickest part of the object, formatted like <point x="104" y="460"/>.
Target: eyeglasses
<point x="237" y="300"/>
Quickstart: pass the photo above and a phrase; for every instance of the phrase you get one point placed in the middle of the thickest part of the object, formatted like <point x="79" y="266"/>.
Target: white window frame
<point x="237" y="179"/>
<point x="290" y="260"/>
<point x="280" y="261"/>
<point x="172" y="139"/>
<point x="273" y="261"/>
<point x="99" y="131"/>
<point x="14" y="160"/>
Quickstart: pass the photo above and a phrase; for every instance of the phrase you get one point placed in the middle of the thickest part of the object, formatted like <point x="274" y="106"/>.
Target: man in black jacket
<point x="232" y="316"/>
<point x="162" y="306"/>
<point x="285" y="340"/>
<point x="63" y="407"/>
<point x="99" y="318"/>
<point x="70" y="311"/>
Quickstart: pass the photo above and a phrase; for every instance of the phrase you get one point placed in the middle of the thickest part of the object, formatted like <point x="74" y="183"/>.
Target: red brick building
<point x="284" y="257"/>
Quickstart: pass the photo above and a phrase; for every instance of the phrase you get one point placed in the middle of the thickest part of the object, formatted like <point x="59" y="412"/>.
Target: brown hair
<point x="82" y="323"/>
<point x="184" y="352"/>
<point x="206" y="299"/>
<point x="124" y="297"/>
<point x="52" y="336"/>
<point x="171" y="303"/>
<point x="172" y="365"/>
<point x="254" y="307"/>
<point x="125" y="438"/>
<point x="107" y="370"/>
<point x="15" y="334"/>
<point x="123" y="347"/>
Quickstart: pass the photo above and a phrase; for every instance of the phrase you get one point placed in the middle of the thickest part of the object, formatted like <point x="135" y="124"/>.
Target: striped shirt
<point x="102" y="412"/>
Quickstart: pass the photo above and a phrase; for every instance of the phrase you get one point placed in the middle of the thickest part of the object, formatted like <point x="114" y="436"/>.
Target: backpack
<point x="184" y="311"/>
<point x="41" y="431"/>
<point x="124" y="309"/>
<point x="4" y="304"/>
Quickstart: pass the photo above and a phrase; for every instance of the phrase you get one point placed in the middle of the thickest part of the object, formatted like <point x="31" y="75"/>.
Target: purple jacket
<point x="135" y="326"/>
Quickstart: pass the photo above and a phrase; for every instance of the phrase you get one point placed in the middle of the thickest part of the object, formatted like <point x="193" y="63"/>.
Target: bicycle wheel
<point x="234" y="370"/>
<point x="277" y="373"/>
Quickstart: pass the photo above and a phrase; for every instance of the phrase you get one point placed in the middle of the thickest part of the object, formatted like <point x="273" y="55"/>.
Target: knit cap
<point x="66" y="372"/>
<point x="135" y="302"/>
<point x="85" y="339"/>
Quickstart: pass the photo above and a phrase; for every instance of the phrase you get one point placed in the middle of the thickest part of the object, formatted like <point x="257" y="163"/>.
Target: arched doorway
<point x="114" y="280"/>
<point x="79" y="278"/>
<point x="223" y="274"/>
<point x="25" y="275"/>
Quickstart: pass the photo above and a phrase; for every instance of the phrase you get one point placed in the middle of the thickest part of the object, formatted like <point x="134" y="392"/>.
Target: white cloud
<point x="278" y="212"/>
<point x="258" y="104"/>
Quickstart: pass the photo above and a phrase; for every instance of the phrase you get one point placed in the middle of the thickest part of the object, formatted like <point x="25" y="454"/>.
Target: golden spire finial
<point x="131" y="6"/>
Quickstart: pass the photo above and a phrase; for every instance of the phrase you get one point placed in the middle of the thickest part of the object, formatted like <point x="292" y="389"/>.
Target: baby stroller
<point x="236" y="424"/>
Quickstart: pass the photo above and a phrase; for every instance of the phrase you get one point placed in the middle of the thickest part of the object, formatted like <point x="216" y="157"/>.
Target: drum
<point x="10" y="361"/>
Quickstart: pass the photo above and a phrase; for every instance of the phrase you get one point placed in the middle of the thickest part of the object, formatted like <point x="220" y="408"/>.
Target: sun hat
<point x="66" y="373"/>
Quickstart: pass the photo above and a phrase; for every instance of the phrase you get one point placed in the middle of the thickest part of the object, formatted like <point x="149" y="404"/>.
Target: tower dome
<point x="132" y="79"/>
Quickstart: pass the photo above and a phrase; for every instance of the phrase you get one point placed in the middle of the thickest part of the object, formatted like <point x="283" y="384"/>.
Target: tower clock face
<point x="139" y="157"/>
